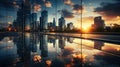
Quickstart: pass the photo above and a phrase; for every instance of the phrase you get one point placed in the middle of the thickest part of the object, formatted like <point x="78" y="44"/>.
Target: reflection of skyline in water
<point x="31" y="49"/>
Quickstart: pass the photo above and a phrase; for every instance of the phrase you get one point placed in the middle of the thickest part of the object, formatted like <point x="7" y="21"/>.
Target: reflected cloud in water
<point x="38" y="50"/>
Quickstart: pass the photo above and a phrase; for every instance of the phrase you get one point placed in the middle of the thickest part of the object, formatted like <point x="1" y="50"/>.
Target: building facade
<point x="99" y="22"/>
<point x="70" y="26"/>
<point x="44" y="21"/>
<point x="23" y="16"/>
<point x="62" y="24"/>
<point x="33" y="21"/>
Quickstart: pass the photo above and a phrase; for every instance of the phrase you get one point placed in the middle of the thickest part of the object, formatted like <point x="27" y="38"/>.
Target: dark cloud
<point x="67" y="14"/>
<point x="6" y="3"/>
<point x="9" y="5"/>
<point x="77" y="8"/>
<point x="109" y="9"/>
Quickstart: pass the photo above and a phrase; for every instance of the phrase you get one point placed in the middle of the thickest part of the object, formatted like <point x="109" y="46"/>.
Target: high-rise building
<point x="33" y="21"/>
<point x="23" y="16"/>
<point x="44" y="21"/>
<point x="98" y="22"/>
<point x="54" y="23"/>
<point x="62" y="24"/>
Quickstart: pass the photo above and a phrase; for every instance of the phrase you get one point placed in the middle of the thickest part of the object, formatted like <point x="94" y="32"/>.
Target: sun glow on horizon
<point x="86" y="29"/>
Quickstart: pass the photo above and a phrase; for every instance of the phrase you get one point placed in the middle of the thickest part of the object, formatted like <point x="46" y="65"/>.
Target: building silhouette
<point x="54" y="24"/>
<point x="23" y="16"/>
<point x="34" y="23"/>
<point x="70" y="26"/>
<point x="99" y="23"/>
<point x="62" y="24"/>
<point x="44" y="21"/>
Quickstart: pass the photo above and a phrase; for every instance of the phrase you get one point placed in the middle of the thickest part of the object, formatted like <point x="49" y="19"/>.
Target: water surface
<point x="38" y="50"/>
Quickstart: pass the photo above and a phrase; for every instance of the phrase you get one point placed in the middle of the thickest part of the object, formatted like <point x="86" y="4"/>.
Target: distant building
<point x="108" y="28"/>
<point x="44" y="21"/>
<point x="98" y="22"/>
<point x="70" y="26"/>
<point x="54" y="23"/>
<point x="62" y="24"/>
<point x="98" y="25"/>
<point x="50" y="26"/>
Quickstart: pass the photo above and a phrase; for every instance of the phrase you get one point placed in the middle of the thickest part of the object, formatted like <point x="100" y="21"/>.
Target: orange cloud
<point x="48" y="4"/>
<point x="68" y="2"/>
<point x="37" y="7"/>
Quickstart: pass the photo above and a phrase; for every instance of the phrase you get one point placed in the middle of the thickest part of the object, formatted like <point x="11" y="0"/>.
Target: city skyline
<point x="69" y="9"/>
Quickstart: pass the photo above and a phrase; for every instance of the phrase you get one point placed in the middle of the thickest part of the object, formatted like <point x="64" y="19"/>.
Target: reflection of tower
<point x="98" y="45"/>
<point x="52" y="40"/>
<point x="62" y="23"/>
<point x="70" y="39"/>
<point x="43" y="45"/>
<point x="61" y="42"/>
<point x="44" y="21"/>
<point x="33" y="42"/>
<point x="23" y="49"/>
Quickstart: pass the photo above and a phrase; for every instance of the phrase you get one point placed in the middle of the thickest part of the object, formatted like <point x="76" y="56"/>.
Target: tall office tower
<point x="23" y="15"/>
<point x="62" y="24"/>
<point x="44" y="21"/>
<point x="54" y="23"/>
<point x="98" y="22"/>
<point x="33" y="21"/>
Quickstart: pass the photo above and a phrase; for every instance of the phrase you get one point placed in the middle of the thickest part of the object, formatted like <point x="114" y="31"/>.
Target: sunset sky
<point x="70" y="9"/>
